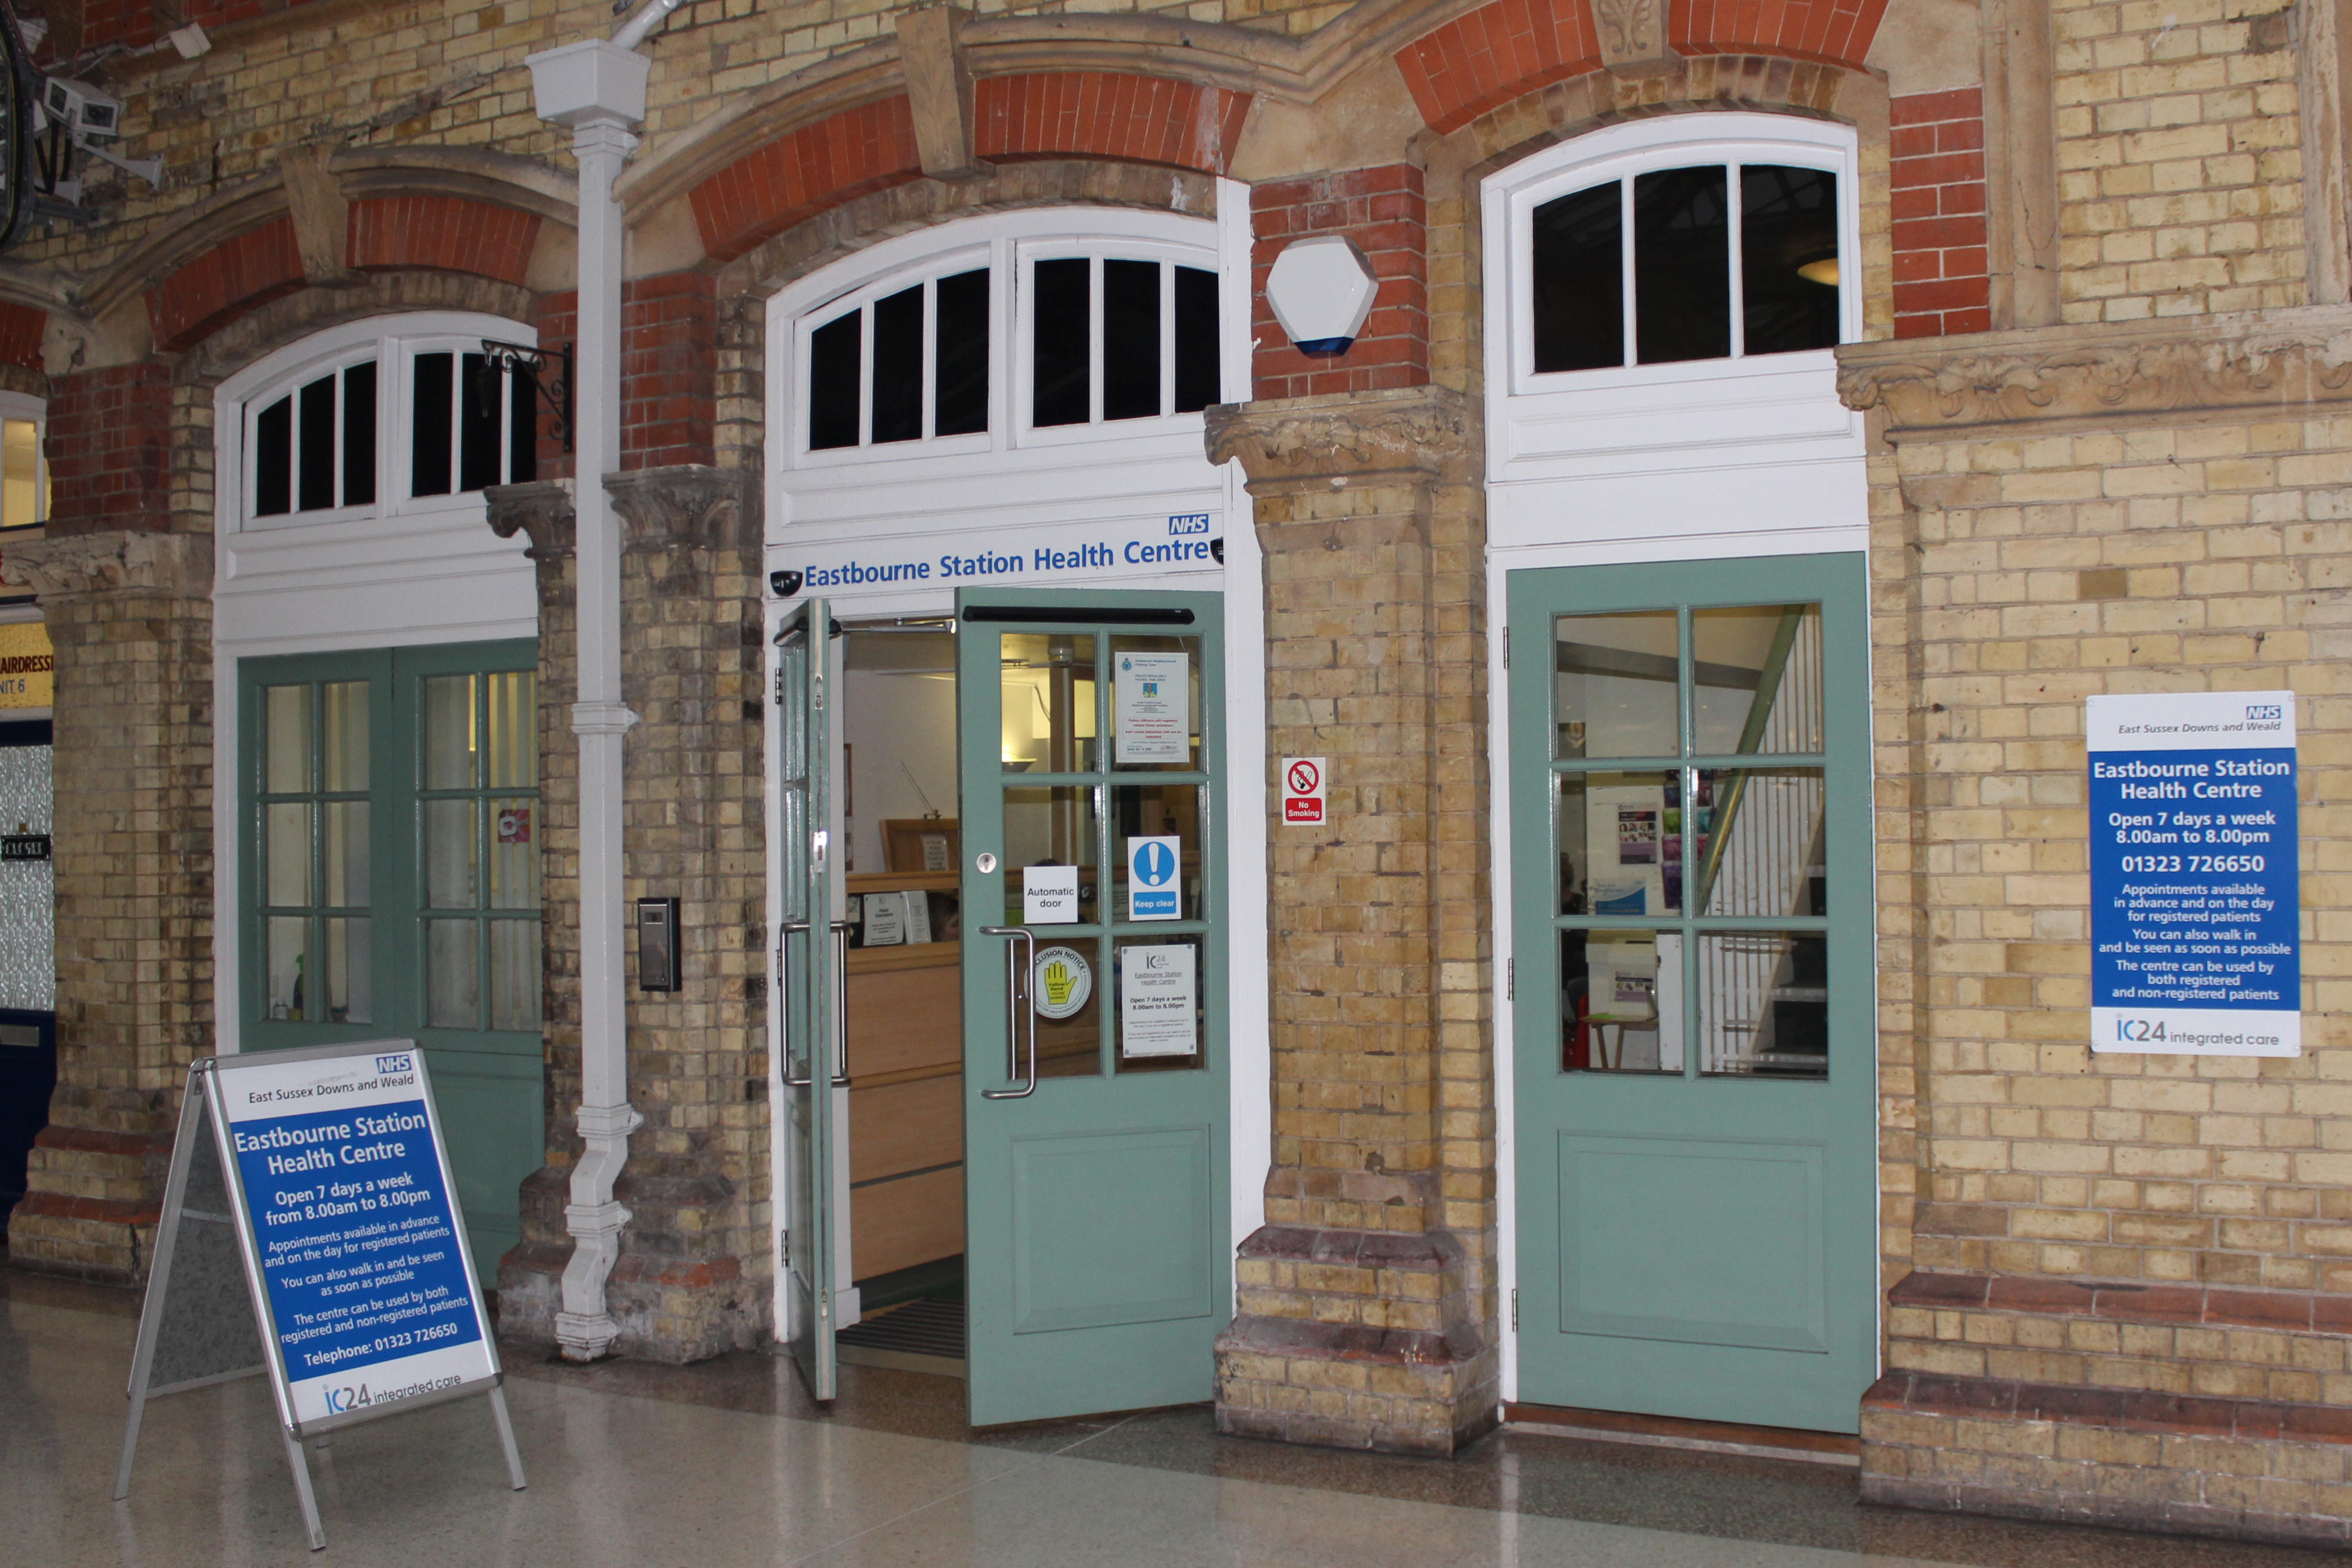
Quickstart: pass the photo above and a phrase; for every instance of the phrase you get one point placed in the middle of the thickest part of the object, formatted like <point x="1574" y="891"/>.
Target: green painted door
<point x="389" y="850"/>
<point x="807" y="973"/>
<point x="1098" y="1253"/>
<point x="1692" y="989"/>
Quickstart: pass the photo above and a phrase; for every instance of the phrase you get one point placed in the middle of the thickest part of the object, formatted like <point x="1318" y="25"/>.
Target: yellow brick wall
<point x="2178" y="161"/>
<point x="2182" y="557"/>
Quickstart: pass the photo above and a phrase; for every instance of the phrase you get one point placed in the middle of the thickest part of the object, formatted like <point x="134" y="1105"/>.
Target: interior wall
<point x="901" y="730"/>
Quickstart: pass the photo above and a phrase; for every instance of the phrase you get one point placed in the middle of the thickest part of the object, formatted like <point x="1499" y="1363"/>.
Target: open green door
<point x="1097" y="1258"/>
<point x="807" y="972"/>
<point x="1692" y="989"/>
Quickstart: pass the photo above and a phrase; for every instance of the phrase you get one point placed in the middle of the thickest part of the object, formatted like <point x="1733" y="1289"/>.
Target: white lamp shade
<point x="1321" y="289"/>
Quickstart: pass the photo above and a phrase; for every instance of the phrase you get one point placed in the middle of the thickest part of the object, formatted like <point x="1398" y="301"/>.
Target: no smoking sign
<point x="1302" y="791"/>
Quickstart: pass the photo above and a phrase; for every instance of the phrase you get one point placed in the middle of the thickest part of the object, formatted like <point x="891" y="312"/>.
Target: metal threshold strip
<point x="922" y="1336"/>
<point x="1695" y="1437"/>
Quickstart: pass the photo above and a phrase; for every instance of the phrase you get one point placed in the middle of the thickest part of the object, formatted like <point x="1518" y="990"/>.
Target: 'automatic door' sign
<point x="2194" y="946"/>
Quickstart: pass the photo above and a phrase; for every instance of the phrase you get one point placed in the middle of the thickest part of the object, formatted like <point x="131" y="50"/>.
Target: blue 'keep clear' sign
<point x="2194" y="944"/>
<point x="1153" y="879"/>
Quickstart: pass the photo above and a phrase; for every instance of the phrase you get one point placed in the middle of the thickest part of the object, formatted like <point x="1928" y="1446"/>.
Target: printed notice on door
<point x="2194" y="947"/>
<point x="1155" y="707"/>
<point x="1156" y="1011"/>
<point x="355" y="1230"/>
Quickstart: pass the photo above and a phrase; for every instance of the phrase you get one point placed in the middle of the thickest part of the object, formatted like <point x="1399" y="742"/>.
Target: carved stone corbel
<point x="688" y="504"/>
<point x="322" y="214"/>
<point x="177" y="565"/>
<point x="1633" y="37"/>
<point x="1413" y="434"/>
<point x="2190" y="365"/>
<point x="541" y="511"/>
<point x="939" y="91"/>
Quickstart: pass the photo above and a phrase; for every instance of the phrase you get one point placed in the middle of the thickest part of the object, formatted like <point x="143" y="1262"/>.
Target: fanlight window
<point x="23" y="471"/>
<point x="1709" y="262"/>
<point x="1101" y="336"/>
<point x="333" y="443"/>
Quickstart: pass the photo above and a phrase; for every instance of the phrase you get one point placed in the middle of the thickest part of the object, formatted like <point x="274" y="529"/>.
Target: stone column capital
<point x="687" y="504"/>
<point x="1404" y="434"/>
<point x="541" y="511"/>
<point x="177" y="565"/>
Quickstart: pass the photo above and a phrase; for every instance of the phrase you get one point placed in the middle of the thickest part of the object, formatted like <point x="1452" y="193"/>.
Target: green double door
<point x="388" y="848"/>
<point x="1097" y="1246"/>
<point x="1692" y="980"/>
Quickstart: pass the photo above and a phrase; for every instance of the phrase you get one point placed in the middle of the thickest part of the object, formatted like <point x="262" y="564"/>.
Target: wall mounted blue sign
<point x="2194" y="944"/>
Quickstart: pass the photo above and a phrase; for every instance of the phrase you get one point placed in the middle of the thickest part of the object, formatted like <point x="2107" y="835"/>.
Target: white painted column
<point x="598" y="89"/>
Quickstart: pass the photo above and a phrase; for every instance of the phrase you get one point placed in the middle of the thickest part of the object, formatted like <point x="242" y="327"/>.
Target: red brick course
<point x="1103" y="114"/>
<point x="1942" y="275"/>
<point x="2302" y="1310"/>
<point x="1505" y="50"/>
<point x="2114" y="1409"/>
<point x="134" y="22"/>
<point x="107" y="442"/>
<point x="1080" y="114"/>
<point x="669" y="371"/>
<point x="801" y="173"/>
<point x="446" y="233"/>
<point x="21" y="328"/>
<point x="241" y="274"/>
<point x="1383" y="210"/>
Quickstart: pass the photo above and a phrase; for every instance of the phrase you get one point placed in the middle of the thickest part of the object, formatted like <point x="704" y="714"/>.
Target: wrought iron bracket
<point x="525" y="360"/>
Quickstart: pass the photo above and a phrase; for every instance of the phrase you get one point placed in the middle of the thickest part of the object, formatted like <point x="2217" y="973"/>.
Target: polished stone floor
<point x="727" y="1463"/>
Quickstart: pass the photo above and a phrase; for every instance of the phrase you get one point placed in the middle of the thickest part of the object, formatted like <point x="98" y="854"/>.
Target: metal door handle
<point x="841" y="998"/>
<point x="1011" y="1033"/>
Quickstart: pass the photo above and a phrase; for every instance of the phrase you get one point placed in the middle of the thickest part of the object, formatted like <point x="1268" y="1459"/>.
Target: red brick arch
<point x="1042" y="114"/>
<point x="247" y="270"/>
<point x="1503" y="51"/>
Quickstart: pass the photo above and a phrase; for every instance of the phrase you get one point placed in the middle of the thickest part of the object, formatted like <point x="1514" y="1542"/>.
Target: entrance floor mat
<point x="925" y="1335"/>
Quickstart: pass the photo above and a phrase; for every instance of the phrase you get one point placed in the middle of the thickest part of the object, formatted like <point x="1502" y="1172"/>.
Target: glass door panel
<point x="1694" y="1098"/>
<point x="1098" y="1263"/>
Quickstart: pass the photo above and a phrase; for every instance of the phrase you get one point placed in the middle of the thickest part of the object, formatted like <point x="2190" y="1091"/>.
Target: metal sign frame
<point x="164" y="1320"/>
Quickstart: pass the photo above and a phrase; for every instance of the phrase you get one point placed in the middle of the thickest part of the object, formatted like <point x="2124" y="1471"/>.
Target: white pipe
<point x="648" y="16"/>
<point x="598" y="89"/>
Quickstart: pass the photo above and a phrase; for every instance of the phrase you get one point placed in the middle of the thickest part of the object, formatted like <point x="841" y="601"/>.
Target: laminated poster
<point x="1154" y="707"/>
<point x="1158" y="1013"/>
<point x="2194" y="942"/>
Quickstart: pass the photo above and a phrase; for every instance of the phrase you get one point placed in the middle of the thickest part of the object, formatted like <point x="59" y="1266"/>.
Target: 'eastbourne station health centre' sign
<point x="2194" y="947"/>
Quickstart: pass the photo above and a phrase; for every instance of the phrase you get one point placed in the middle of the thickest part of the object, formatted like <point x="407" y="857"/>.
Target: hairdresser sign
<point x="2194" y="946"/>
<point x="343" y="1197"/>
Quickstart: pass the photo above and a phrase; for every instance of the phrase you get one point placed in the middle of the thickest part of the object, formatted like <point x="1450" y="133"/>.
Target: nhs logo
<point x="1190" y="523"/>
<point x="2264" y="710"/>
<point x="392" y="1064"/>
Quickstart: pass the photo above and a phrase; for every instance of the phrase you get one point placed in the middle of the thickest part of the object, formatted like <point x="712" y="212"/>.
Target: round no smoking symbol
<point x="1304" y="778"/>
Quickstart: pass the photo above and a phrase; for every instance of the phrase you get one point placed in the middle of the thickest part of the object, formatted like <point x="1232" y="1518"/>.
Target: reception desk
<point x="906" y="1095"/>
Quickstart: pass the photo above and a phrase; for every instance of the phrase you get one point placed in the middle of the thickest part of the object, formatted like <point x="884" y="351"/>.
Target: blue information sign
<point x="355" y="1233"/>
<point x="2194" y="946"/>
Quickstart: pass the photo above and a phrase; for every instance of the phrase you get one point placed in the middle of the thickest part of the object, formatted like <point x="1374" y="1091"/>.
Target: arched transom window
<point x="1022" y="332"/>
<point x="1693" y="240"/>
<point x="404" y="414"/>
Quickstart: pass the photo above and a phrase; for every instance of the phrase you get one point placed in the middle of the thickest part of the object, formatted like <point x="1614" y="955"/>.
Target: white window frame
<point x="1008" y="245"/>
<point x="24" y="405"/>
<point x="1618" y="152"/>
<point x="392" y="342"/>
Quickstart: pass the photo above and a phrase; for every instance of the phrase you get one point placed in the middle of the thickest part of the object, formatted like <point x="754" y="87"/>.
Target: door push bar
<point x="841" y="997"/>
<point x="1011" y="1033"/>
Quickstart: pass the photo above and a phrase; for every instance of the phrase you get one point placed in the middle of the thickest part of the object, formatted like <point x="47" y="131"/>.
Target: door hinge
<point x="780" y="686"/>
<point x="1506" y="650"/>
<point x="1514" y="1309"/>
<point x="1510" y="978"/>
